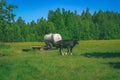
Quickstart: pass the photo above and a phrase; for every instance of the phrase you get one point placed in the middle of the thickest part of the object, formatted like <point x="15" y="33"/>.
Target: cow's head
<point x="76" y="41"/>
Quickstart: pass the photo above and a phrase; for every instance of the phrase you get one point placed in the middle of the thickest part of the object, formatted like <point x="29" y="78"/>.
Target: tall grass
<point x="3" y="45"/>
<point x="91" y="60"/>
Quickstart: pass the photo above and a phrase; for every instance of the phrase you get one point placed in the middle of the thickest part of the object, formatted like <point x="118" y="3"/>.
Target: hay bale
<point x="26" y="49"/>
<point x="36" y="47"/>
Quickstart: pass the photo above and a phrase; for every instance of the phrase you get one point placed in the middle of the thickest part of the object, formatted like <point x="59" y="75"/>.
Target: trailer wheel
<point x="49" y="45"/>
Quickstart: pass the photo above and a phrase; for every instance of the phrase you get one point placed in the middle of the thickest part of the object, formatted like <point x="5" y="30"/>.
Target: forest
<point x="101" y="25"/>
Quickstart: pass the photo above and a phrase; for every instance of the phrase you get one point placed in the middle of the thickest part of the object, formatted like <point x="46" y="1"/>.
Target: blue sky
<point x="35" y="9"/>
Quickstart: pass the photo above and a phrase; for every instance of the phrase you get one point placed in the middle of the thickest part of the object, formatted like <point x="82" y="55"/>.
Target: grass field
<point x="91" y="60"/>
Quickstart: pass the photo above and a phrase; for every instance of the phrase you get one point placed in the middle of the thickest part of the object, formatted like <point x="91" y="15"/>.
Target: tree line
<point x="85" y="26"/>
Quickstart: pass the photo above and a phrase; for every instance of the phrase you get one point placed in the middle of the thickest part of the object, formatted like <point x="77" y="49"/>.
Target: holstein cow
<point x="67" y="44"/>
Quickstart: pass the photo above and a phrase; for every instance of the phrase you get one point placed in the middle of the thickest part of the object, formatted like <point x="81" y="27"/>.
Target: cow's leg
<point x="71" y="51"/>
<point x="64" y="51"/>
<point x="61" y="51"/>
<point x="68" y="50"/>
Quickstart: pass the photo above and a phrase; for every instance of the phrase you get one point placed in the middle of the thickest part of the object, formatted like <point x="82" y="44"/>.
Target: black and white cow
<point x="67" y="44"/>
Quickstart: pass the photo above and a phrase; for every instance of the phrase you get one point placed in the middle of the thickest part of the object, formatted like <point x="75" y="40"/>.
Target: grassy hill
<point x="91" y="60"/>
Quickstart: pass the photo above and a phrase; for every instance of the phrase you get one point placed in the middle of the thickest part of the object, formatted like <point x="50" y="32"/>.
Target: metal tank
<point x="51" y="39"/>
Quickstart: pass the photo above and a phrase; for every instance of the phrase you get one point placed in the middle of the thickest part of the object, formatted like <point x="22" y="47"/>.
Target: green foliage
<point x="91" y="60"/>
<point x="6" y="11"/>
<point x="101" y="25"/>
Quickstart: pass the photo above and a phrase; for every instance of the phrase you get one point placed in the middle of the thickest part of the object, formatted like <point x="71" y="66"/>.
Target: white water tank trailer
<point x="51" y="39"/>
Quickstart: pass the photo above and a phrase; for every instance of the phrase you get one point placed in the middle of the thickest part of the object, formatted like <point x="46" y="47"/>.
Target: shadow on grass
<point x="115" y="65"/>
<point x="102" y="55"/>
<point x="2" y="55"/>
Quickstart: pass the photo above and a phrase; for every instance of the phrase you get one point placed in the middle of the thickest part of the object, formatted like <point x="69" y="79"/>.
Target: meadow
<point x="91" y="60"/>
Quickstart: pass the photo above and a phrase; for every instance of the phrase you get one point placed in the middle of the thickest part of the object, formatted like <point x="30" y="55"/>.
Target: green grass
<point x="91" y="60"/>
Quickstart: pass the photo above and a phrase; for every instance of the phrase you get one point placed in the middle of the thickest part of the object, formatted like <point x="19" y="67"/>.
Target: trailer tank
<point x="51" y="39"/>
